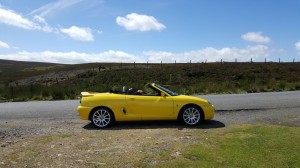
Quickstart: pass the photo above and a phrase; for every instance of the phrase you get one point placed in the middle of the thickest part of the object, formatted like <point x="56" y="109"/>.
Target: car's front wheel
<point x="191" y="115"/>
<point x="102" y="117"/>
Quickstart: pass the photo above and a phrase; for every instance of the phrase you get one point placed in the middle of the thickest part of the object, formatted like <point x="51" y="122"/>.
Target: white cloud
<point x="297" y="45"/>
<point x="139" y="22"/>
<point x="54" y="7"/>
<point x="79" y="33"/>
<point x="4" y="45"/>
<point x="255" y="37"/>
<point x="258" y="52"/>
<point x="42" y="21"/>
<point x="12" y="18"/>
<point x="211" y="55"/>
<point x="71" y="57"/>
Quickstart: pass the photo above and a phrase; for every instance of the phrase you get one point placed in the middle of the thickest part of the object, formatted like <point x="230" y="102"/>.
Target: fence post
<point x="175" y="62"/>
<point x="251" y="60"/>
<point x="190" y="62"/>
<point x="265" y="60"/>
<point x="279" y="60"/>
<point x="161" y="63"/>
<point x="236" y="60"/>
<point x="133" y="65"/>
<point x="147" y="64"/>
<point x="294" y="60"/>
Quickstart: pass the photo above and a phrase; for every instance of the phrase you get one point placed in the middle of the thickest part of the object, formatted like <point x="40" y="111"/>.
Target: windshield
<point x="167" y="90"/>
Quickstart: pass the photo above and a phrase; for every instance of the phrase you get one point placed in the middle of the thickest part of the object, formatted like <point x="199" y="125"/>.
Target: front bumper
<point x="209" y="112"/>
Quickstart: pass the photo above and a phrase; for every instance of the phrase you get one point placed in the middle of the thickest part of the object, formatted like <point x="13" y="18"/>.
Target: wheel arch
<point x="99" y="107"/>
<point x="191" y="104"/>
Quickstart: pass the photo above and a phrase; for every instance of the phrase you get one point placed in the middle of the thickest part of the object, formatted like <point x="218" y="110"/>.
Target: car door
<point x="151" y="107"/>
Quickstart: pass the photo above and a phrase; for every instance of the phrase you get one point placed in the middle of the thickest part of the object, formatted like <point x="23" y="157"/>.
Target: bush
<point x="45" y="93"/>
<point x="58" y="94"/>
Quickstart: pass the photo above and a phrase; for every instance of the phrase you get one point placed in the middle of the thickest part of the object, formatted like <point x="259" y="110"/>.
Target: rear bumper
<point x="84" y="112"/>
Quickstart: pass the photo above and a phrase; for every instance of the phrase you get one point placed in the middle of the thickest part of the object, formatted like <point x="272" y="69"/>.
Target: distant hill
<point x="21" y="81"/>
<point x="11" y="65"/>
<point x="15" y="70"/>
<point x="11" y="70"/>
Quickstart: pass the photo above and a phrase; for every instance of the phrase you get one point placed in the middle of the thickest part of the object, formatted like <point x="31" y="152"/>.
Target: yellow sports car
<point x="153" y="103"/>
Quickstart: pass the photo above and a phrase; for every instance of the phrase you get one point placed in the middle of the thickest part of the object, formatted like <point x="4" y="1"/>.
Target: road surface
<point x="66" y="109"/>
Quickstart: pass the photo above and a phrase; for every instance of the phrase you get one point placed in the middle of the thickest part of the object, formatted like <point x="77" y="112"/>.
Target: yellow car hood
<point x="185" y="97"/>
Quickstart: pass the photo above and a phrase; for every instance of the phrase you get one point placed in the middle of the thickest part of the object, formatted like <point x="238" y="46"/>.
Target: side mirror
<point x="163" y="94"/>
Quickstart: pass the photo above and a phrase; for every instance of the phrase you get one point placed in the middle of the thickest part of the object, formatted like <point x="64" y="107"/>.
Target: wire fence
<point x="110" y="66"/>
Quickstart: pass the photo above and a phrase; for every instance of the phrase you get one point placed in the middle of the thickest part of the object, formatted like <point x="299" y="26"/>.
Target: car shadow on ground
<point x="211" y="124"/>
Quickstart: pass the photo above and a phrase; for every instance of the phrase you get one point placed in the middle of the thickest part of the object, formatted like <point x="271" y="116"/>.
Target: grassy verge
<point x="235" y="146"/>
<point x="246" y="146"/>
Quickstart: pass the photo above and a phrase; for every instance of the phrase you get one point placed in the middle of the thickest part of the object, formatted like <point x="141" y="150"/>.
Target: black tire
<point x="191" y="115"/>
<point x="102" y="117"/>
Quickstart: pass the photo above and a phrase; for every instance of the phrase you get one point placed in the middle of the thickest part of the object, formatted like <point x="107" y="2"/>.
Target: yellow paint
<point x="141" y="107"/>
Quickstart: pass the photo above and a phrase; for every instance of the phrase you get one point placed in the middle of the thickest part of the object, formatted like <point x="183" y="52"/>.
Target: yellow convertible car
<point x="153" y="103"/>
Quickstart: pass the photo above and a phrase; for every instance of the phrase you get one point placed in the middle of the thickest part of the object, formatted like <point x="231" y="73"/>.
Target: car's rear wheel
<point x="102" y="117"/>
<point x="191" y="115"/>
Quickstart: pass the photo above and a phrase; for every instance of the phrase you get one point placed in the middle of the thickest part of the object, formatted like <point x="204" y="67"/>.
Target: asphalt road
<point x="223" y="103"/>
<point x="255" y="101"/>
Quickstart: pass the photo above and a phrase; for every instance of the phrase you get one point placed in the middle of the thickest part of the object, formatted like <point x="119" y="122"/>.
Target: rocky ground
<point x="49" y="78"/>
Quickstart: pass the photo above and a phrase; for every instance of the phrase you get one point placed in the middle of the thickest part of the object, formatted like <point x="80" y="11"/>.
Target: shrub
<point x="58" y="94"/>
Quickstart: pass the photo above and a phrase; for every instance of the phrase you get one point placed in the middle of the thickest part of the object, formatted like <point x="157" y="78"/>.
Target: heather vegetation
<point x="42" y="82"/>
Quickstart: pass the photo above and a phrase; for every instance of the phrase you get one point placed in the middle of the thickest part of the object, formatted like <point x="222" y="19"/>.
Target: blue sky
<point x="80" y="31"/>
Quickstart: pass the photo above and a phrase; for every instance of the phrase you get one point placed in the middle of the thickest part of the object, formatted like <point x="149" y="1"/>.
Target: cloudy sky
<point x="80" y="31"/>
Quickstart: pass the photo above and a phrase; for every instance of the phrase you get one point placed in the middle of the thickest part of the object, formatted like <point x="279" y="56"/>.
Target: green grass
<point x="235" y="146"/>
<point x="248" y="146"/>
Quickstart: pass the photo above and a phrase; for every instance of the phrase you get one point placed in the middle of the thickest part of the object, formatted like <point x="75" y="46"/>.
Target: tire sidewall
<point x="187" y="107"/>
<point x="112" y="118"/>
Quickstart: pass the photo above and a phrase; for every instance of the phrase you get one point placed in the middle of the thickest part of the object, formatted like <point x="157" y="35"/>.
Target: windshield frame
<point x="166" y="90"/>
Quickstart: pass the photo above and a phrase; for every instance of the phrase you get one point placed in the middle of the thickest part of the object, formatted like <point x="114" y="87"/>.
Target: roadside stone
<point x="13" y="162"/>
<point x="176" y="154"/>
<point x="79" y="160"/>
<point x="95" y="163"/>
<point x="9" y="142"/>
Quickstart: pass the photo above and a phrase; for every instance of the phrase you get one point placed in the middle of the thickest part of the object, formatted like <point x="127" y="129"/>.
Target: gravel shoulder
<point x="15" y="130"/>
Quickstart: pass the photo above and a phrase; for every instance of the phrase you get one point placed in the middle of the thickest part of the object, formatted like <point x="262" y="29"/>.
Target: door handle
<point x="131" y="98"/>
